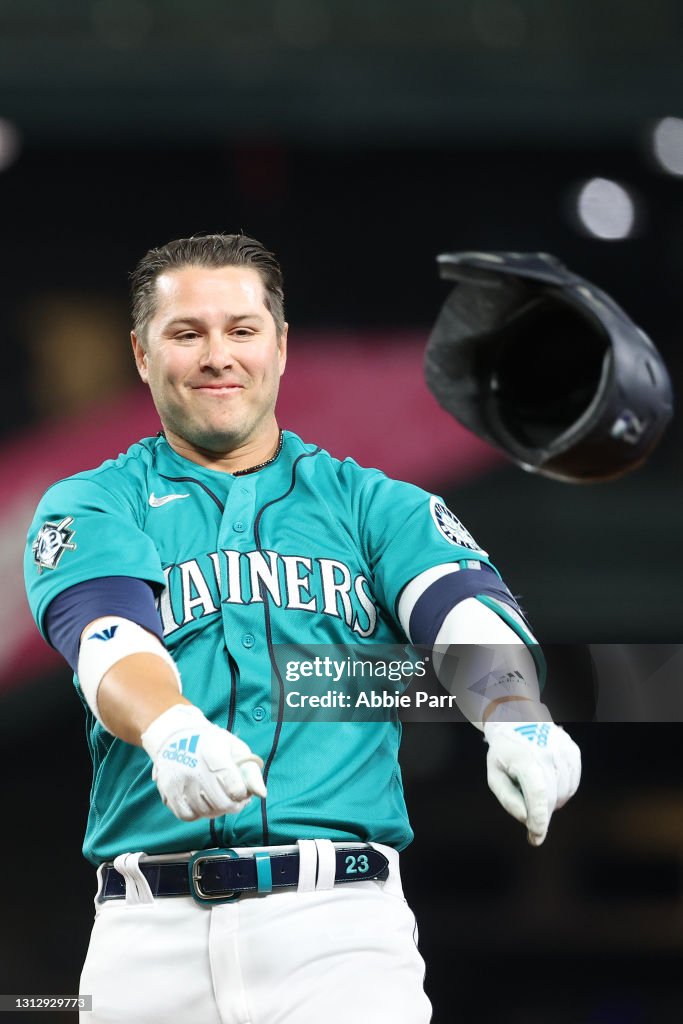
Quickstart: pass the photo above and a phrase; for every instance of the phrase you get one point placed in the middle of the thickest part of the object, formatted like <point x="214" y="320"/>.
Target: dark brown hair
<point x="205" y="251"/>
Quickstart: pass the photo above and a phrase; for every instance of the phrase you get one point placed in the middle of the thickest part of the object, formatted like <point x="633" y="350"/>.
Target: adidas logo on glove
<point x="536" y="733"/>
<point x="179" y="751"/>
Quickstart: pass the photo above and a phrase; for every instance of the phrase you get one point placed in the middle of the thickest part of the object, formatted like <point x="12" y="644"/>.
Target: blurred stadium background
<point x="358" y="140"/>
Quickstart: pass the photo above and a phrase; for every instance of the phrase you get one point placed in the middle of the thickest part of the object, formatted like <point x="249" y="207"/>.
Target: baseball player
<point x="248" y="865"/>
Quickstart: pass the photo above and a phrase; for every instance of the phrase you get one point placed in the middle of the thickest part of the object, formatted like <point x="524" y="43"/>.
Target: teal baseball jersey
<point x="308" y="550"/>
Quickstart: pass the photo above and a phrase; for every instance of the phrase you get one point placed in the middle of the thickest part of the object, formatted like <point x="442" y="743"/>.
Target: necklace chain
<point x="262" y="465"/>
<point x="251" y="469"/>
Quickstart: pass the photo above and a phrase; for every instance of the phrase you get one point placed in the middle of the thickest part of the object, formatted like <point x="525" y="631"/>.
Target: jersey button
<point x="239" y="526"/>
<point x="258" y="714"/>
<point x="248" y="640"/>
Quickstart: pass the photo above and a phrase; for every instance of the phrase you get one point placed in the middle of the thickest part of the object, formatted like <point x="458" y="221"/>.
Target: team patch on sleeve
<point x="450" y="527"/>
<point x="52" y="540"/>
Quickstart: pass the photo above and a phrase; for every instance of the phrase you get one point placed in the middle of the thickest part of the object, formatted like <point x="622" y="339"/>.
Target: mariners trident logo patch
<point x="450" y="526"/>
<point x="52" y="540"/>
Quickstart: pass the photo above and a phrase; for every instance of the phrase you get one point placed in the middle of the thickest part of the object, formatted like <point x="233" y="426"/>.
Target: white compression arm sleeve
<point x="485" y="664"/>
<point x="107" y="641"/>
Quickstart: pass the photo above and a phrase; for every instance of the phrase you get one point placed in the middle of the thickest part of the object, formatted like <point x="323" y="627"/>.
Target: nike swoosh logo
<point x="158" y="502"/>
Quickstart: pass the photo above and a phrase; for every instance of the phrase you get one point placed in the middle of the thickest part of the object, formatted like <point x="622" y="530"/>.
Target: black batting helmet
<point x="546" y="367"/>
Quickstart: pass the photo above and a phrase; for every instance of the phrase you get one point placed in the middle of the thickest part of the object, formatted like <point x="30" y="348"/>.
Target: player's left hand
<point x="533" y="768"/>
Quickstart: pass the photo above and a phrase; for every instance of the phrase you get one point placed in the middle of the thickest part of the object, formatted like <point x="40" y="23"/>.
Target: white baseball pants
<point x="341" y="955"/>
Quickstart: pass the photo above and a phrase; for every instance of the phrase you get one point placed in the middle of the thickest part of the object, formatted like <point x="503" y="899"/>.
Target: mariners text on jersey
<point x="322" y="585"/>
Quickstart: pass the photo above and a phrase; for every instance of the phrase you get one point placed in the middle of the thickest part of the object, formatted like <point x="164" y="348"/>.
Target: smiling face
<point x="213" y="359"/>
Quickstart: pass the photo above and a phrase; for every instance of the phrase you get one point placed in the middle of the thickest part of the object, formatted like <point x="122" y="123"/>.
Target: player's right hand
<point x="201" y="770"/>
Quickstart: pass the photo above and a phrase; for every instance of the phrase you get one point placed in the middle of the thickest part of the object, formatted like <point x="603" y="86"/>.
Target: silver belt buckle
<point x="195" y="877"/>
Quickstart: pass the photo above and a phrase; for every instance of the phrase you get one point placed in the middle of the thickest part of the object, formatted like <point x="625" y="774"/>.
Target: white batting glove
<point x="201" y="770"/>
<point x="533" y="768"/>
